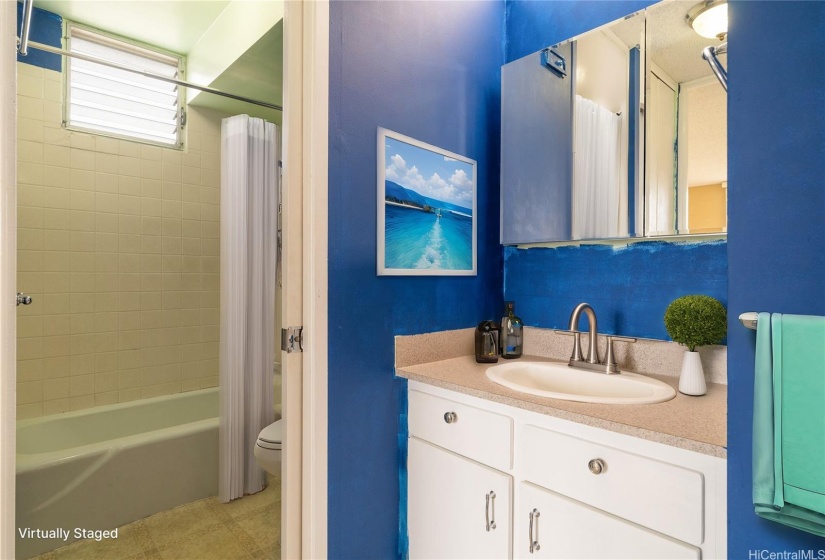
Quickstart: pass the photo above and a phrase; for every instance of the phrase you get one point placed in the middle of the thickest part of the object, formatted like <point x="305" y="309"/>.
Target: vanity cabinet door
<point x="457" y="508"/>
<point x="566" y="529"/>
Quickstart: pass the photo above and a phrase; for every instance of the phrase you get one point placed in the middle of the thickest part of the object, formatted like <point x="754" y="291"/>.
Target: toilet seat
<point x="271" y="436"/>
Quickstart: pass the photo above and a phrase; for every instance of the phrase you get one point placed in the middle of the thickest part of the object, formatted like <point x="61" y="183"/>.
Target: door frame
<point x="306" y="103"/>
<point x="8" y="272"/>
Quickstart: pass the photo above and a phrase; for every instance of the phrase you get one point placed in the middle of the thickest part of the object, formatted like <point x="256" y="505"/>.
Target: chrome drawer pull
<point x="597" y="466"/>
<point x="450" y="417"/>
<point x="491" y="522"/>
<point x="534" y="542"/>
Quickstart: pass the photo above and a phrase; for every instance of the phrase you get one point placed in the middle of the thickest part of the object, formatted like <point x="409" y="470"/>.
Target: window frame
<point x="68" y="26"/>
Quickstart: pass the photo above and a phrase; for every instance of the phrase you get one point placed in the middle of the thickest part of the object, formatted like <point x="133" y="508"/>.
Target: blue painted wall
<point x="629" y="287"/>
<point x="47" y="28"/>
<point x="430" y="70"/>
<point x="776" y="205"/>
<point x="535" y="24"/>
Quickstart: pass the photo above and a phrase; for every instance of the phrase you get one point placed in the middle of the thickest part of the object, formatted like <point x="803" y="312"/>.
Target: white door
<point x="566" y="529"/>
<point x="660" y="159"/>
<point x="457" y="508"/>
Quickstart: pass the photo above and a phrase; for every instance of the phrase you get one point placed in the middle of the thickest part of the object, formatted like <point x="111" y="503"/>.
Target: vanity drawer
<point x="473" y="432"/>
<point x="658" y="495"/>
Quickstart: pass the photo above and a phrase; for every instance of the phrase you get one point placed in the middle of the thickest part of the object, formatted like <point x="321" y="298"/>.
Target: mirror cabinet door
<point x="628" y="140"/>
<point x="536" y="148"/>
<point x="686" y="166"/>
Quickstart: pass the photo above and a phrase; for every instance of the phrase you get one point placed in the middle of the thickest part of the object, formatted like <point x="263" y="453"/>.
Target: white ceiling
<point x="173" y="25"/>
<point x="674" y="46"/>
<point x="177" y="26"/>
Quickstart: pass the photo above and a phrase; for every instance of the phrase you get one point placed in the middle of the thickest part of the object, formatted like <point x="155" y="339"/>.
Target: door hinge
<point x="292" y="339"/>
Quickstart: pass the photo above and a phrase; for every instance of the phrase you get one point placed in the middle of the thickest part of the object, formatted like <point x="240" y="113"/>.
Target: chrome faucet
<point x="592" y="349"/>
<point x="592" y="362"/>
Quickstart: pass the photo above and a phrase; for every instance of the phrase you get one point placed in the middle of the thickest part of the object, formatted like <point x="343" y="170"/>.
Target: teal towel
<point x="789" y="421"/>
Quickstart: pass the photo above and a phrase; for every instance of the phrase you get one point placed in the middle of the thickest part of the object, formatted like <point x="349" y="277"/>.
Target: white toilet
<point x="268" y="448"/>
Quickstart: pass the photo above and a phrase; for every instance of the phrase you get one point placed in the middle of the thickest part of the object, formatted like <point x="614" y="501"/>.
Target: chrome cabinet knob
<point x="597" y="466"/>
<point x="23" y="299"/>
<point x="450" y="417"/>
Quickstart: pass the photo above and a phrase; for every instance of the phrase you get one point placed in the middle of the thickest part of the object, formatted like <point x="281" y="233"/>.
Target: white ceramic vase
<point x="692" y="379"/>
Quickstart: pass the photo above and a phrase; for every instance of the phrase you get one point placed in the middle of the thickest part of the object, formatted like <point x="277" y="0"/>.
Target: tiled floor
<point x="244" y="529"/>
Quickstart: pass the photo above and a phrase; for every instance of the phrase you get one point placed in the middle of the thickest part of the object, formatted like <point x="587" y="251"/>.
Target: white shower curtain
<point x="596" y="171"/>
<point x="248" y="245"/>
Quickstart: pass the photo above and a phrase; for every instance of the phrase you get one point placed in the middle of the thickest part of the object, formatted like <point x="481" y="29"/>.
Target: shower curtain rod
<point x="147" y="74"/>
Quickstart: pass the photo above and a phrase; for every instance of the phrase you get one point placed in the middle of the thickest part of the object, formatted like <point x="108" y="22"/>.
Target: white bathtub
<point x="104" y="467"/>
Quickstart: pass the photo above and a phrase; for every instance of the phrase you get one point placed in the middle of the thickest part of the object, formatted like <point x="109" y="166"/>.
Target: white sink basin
<point x="559" y="381"/>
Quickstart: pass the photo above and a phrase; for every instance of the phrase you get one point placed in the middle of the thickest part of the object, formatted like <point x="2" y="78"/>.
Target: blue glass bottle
<point x="511" y="336"/>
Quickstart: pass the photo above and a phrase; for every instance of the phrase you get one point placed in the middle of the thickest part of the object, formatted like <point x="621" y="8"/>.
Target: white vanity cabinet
<point x="571" y="491"/>
<point x="549" y="525"/>
<point x="459" y="497"/>
<point x="457" y="508"/>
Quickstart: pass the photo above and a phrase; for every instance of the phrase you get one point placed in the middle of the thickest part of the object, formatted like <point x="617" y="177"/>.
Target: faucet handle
<point x="610" y="360"/>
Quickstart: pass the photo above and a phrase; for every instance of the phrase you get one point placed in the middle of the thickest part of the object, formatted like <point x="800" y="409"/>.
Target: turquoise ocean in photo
<point x="415" y="239"/>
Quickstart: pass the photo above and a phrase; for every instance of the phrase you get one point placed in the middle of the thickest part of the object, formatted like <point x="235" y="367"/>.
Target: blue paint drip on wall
<point x="430" y="70"/>
<point x="776" y="239"/>
<point x="634" y="103"/>
<point x="46" y="28"/>
<point x="628" y="287"/>
<point x="403" y="446"/>
<point x="535" y="24"/>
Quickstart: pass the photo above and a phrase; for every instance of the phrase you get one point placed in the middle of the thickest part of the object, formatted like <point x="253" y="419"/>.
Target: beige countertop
<point x="694" y="423"/>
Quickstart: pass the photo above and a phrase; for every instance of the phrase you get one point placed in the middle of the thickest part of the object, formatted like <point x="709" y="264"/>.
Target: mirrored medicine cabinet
<point x="620" y="132"/>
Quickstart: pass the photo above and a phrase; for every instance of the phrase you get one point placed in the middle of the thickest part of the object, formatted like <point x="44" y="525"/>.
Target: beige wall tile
<point x="111" y="238"/>
<point x="58" y="261"/>
<point x="106" y="163"/>
<point x="30" y="195"/>
<point x="82" y="180"/>
<point x="79" y="403"/>
<point x="56" y="407"/>
<point x="153" y="153"/>
<point x="102" y="399"/>
<point x="30" y="392"/>
<point x="130" y="149"/>
<point x="28" y="217"/>
<point x="82" y="364"/>
<point x="30" y="129"/>
<point x="83" y="159"/>
<point x="30" y="239"/>
<point x="82" y="302"/>
<point x="33" y="410"/>
<point x="56" y="388"/>
<point x="107" y="223"/>
<point x="54" y="368"/>
<point x="82" y="220"/>
<point x="56" y="219"/>
<point x="56" y="176"/>
<point x="29" y="370"/>
<point x="106" y="182"/>
<point x="57" y="325"/>
<point x="107" y="145"/>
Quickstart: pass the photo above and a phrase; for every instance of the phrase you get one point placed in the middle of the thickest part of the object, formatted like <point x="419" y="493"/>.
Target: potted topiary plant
<point x="694" y="321"/>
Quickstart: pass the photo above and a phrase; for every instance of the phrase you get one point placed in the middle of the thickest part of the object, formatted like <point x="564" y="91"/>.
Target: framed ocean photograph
<point x="426" y="209"/>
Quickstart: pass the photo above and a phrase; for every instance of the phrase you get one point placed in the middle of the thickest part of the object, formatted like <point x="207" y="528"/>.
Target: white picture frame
<point x="427" y="218"/>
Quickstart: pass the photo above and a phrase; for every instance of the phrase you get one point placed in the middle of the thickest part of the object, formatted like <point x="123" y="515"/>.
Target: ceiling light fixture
<point x="709" y="19"/>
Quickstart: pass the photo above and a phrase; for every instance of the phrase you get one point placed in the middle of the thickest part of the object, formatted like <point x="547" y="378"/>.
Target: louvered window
<point x="119" y="103"/>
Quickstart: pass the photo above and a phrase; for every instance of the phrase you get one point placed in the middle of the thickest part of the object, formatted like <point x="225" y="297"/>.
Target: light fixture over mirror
<point x="709" y="19"/>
